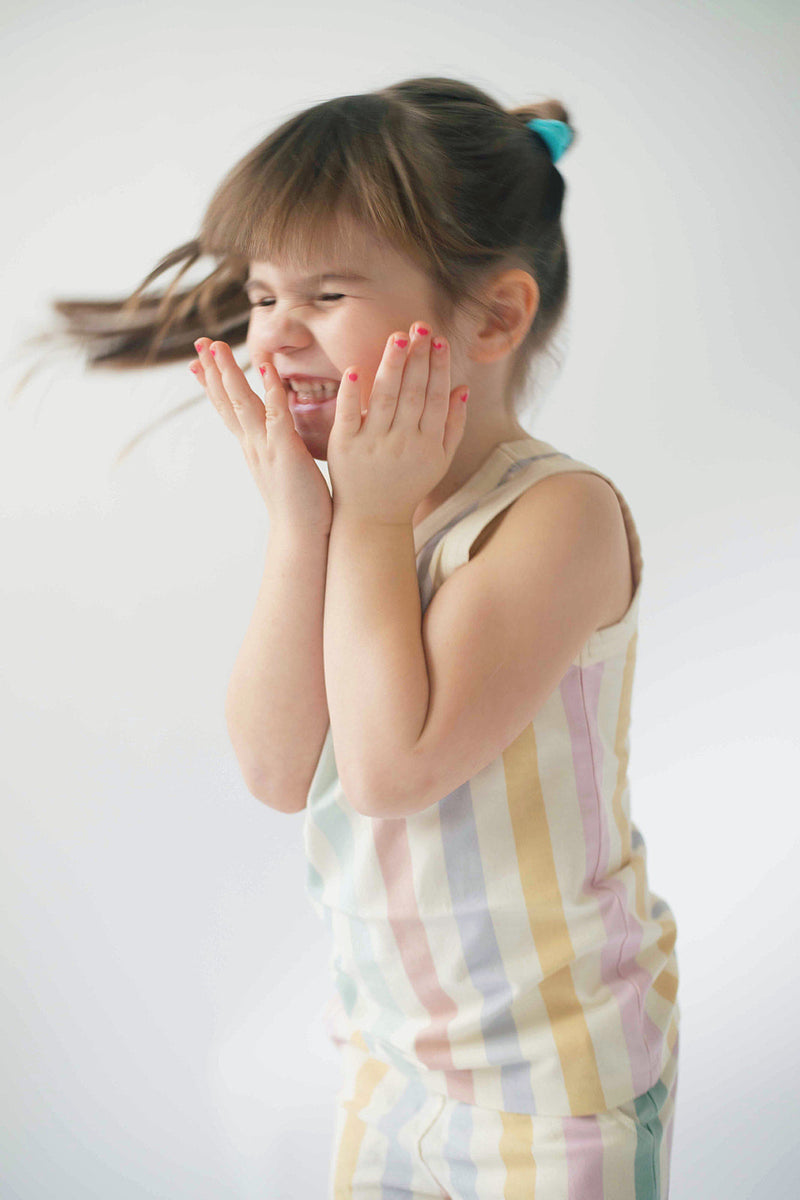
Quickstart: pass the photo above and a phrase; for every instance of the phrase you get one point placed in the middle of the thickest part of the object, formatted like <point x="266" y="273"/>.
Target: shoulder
<point x="568" y="522"/>
<point x="576" y="500"/>
<point x="575" y="490"/>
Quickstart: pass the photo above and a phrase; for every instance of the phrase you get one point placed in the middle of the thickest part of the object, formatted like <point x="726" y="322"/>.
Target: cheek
<point x="378" y="349"/>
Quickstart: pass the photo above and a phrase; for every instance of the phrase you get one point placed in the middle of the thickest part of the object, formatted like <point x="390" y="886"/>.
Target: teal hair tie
<point x="556" y="134"/>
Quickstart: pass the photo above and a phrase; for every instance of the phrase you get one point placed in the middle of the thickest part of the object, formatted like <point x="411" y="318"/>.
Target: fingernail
<point x="464" y="394"/>
<point x="193" y="367"/>
<point x="422" y="331"/>
<point x="198" y="344"/>
<point x="262" y="369"/>
<point x="213" y="354"/>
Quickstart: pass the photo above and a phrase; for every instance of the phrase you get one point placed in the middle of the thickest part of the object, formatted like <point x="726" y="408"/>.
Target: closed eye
<point x="326" y="296"/>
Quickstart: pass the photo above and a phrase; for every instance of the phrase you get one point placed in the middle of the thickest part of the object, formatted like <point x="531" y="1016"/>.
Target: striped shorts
<point x="394" y="1140"/>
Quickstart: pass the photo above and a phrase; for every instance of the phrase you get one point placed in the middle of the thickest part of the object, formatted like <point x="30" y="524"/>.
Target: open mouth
<point x="310" y="395"/>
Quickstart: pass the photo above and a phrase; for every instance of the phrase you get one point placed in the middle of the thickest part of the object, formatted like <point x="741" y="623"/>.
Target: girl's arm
<point x="378" y="686"/>
<point x="276" y="707"/>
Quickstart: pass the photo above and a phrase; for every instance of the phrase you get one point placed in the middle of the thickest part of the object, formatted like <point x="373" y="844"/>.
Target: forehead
<point x="368" y="261"/>
<point x="267" y="273"/>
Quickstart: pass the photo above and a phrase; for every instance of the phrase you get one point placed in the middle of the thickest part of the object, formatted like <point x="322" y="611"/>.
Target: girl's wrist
<point x="292" y="533"/>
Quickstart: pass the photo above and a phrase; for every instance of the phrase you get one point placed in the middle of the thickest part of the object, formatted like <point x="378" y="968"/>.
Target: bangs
<point x="316" y="186"/>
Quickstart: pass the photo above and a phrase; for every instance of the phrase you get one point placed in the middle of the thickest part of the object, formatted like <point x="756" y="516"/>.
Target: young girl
<point x="440" y="665"/>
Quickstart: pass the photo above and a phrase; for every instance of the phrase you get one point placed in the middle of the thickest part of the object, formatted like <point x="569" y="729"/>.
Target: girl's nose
<point x="275" y="333"/>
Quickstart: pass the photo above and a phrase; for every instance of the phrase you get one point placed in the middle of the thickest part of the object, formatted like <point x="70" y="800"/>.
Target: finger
<point x="220" y="402"/>
<point x="387" y="383"/>
<point x="249" y="408"/>
<point x="212" y="381"/>
<point x="276" y="402"/>
<point x="437" y="398"/>
<point x="347" y="414"/>
<point x="414" y="387"/>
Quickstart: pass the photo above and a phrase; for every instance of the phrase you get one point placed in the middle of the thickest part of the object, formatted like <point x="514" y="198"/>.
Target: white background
<point x="164" y="973"/>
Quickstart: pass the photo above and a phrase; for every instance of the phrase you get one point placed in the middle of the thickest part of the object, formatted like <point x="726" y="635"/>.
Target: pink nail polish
<point x="464" y="394"/>
<point x="213" y="354"/>
<point x="401" y="342"/>
<point x="422" y="331"/>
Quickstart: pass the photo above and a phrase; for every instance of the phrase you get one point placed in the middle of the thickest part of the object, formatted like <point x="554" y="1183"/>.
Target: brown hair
<point x="433" y="165"/>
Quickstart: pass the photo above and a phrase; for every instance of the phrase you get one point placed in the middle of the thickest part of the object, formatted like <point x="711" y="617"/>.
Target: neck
<point x="481" y="435"/>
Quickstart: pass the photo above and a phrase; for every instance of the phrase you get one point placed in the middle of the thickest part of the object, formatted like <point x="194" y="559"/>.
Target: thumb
<point x="456" y="421"/>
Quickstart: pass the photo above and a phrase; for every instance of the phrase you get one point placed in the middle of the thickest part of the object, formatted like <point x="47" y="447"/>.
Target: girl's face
<point x="319" y="318"/>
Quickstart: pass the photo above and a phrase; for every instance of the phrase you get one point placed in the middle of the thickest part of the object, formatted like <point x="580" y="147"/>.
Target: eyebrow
<point x="342" y="276"/>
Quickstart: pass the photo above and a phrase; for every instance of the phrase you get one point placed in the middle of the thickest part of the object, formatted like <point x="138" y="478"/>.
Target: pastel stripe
<point x="432" y="1045"/>
<point x="338" y="831"/>
<point x="367" y="1080"/>
<point x="458" y="1152"/>
<point x="548" y="924"/>
<point x="625" y="978"/>
<point x="584" y="1143"/>
<point x="399" y="1166"/>
<point x="516" y="1150"/>
<point x="621" y="752"/>
<point x="480" y="949"/>
<point x="647" y="1165"/>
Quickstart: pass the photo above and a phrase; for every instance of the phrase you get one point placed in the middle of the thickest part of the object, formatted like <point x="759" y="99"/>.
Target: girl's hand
<point x="384" y="464"/>
<point x="289" y="480"/>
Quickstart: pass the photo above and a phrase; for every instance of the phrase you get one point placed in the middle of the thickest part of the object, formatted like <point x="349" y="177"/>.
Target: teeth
<point x="314" y="391"/>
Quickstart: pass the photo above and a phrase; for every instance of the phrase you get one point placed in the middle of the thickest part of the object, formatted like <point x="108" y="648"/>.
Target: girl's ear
<point x="513" y="298"/>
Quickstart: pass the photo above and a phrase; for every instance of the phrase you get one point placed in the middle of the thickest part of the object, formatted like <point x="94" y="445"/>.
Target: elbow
<point x="371" y="808"/>
<point x="364" y="797"/>
<point x="391" y="790"/>
<point x="282" y="800"/>
<point x="281" y="803"/>
<point x="381" y="799"/>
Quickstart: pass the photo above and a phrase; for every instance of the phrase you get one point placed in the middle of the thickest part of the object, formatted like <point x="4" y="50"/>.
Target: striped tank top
<point x="503" y="945"/>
